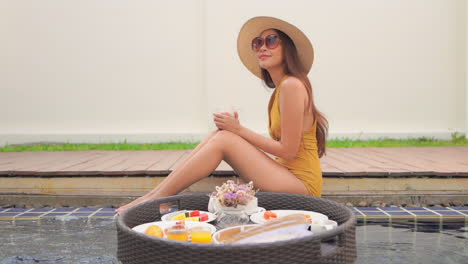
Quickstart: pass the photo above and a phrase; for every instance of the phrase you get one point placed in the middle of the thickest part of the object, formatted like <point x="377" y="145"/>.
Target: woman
<point x="281" y="55"/>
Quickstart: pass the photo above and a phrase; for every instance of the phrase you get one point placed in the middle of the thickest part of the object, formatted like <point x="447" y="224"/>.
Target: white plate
<point x="167" y="217"/>
<point x="316" y="217"/>
<point x="259" y="209"/>
<point x="166" y="224"/>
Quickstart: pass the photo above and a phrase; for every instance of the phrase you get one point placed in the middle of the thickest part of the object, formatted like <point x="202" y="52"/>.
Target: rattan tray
<point x="334" y="246"/>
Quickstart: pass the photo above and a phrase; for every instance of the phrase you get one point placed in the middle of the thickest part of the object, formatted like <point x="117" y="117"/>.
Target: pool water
<point x="412" y="243"/>
<point x="82" y="240"/>
<point x="73" y="240"/>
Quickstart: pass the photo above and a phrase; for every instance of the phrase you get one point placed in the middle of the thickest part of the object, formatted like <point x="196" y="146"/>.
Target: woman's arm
<point x="292" y="100"/>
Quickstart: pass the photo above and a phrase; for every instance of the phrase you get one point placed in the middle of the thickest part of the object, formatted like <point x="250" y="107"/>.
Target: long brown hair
<point x="293" y="67"/>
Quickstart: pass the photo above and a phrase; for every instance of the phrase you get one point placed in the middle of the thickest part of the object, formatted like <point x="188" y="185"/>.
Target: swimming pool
<point x="87" y="240"/>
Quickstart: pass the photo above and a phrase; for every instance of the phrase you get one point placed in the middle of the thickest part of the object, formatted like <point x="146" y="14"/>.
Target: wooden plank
<point x="423" y="158"/>
<point x="165" y="161"/>
<point x="14" y="160"/>
<point x="89" y="166"/>
<point x="437" y="158"/>
<point x="121" y="163"/>
<point x="133" y="163"/>
<point x="379" y="163"/>
<point x="146" y="159"/>
<point x="349" y="166"/>
<point x="347" y="161"/>
<point x="74" y="159"/>
<point x="28" y="163"/>
<point x="371" y="168"/>
<point x="112" y="158"/>
<point x="407" y="163"/>
<point x="328" y="168"/>
<point x="449" y="161"/>
<point x="452" y="156"/>
<point x="9" y="157"/>
<point x="422" y="165"/>
<point x="67" y="159"/>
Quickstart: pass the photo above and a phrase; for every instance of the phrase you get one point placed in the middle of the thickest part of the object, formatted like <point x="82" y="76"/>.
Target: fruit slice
<point x="269" y="215"/>
<point x="154" y="230"/>
<point x="195" y="213"/>
<point x="196" y="219"/>
<point x="179" y="217"/>
<point x="203" y="217"/>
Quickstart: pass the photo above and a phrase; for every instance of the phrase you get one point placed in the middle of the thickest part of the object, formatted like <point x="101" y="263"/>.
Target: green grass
<point x="114" y="146"/>
<point x="388" y="143"/>
<point x="457" y="140"/>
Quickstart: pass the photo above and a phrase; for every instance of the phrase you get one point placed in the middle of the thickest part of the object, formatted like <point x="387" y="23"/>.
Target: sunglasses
<point x="271" y="42"/>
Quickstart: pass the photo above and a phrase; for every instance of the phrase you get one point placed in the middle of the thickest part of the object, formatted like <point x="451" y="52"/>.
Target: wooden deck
<point x="339" y="162"/>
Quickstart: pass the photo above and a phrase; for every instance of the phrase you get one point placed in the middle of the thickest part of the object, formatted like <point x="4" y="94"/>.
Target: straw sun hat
<point x="255" y="26"/>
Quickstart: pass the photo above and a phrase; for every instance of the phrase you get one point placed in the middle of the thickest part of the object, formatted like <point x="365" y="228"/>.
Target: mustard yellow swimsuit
<point x="306" y="165"/>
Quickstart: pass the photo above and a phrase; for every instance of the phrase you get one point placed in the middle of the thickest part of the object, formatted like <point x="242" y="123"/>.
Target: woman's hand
<point x="228" y="122"/>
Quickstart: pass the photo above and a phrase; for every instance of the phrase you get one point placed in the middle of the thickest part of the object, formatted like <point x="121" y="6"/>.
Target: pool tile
<point x="30" y="214"/>
<point x="375" y="214"/>
<point x="460" y="208"/>
<point x="54" y="214"/>
<point x="87" y="210"/>
<point x="103" y="214"/>
<point x="81" y="214"/>
<point x="41" y="210"/>
<point x="66" y="209"/>
<point x="19" y="210"/>
<point x="363" y="214"/>
<point x="107" y="209"/>
<point x="12" y="214"/>
<point x="357" y="213"/>
<point x="401" y="213"/>
<point x="415" y="208"/>
<point x="367" y="209"/>
<point x="448" y="213"/>
<point x="391" y="209"/>
<point x="424" y="213"/>
<point x="437" y="208"/>
<point x="376" y="220"/>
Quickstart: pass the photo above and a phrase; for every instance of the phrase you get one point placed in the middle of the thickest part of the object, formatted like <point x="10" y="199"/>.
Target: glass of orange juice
<point x="200" y="234"/>
<point x="177" y="232"/>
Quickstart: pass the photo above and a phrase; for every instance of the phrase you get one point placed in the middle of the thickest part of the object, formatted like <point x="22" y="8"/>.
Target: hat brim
<point x="255" y="26"/>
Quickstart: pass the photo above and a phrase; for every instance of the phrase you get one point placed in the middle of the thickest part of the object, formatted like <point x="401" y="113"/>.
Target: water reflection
<point x="94" y="241"/>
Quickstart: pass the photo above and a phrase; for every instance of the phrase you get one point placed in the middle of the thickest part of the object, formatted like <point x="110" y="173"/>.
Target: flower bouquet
<point x="230" y="196"/>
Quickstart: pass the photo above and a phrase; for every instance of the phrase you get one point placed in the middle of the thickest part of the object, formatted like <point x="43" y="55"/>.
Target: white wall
<point x="466" y="68"/>
<point x="150" y="71"/>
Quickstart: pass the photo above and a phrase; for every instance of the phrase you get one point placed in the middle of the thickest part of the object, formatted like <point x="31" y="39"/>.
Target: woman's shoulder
<point x="292" y="84"/>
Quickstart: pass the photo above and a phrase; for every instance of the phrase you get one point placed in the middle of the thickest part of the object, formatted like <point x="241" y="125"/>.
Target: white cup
<point x="230" y="109"/>
<point x="222" y="109"/>
<point x="325" y="225"/>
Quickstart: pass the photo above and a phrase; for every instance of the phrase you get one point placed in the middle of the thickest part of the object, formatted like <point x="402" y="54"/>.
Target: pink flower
<point x="231" y="194"/>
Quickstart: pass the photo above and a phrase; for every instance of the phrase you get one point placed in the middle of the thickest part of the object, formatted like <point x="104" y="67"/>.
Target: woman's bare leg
<point x="245" y="158"/>
<point x="160" y="185"/>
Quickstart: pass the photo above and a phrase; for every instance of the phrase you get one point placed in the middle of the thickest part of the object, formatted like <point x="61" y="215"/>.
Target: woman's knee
<point x="213" y="133"/>
<point x="223" y="137"/>
<point x="210" y="135"/>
